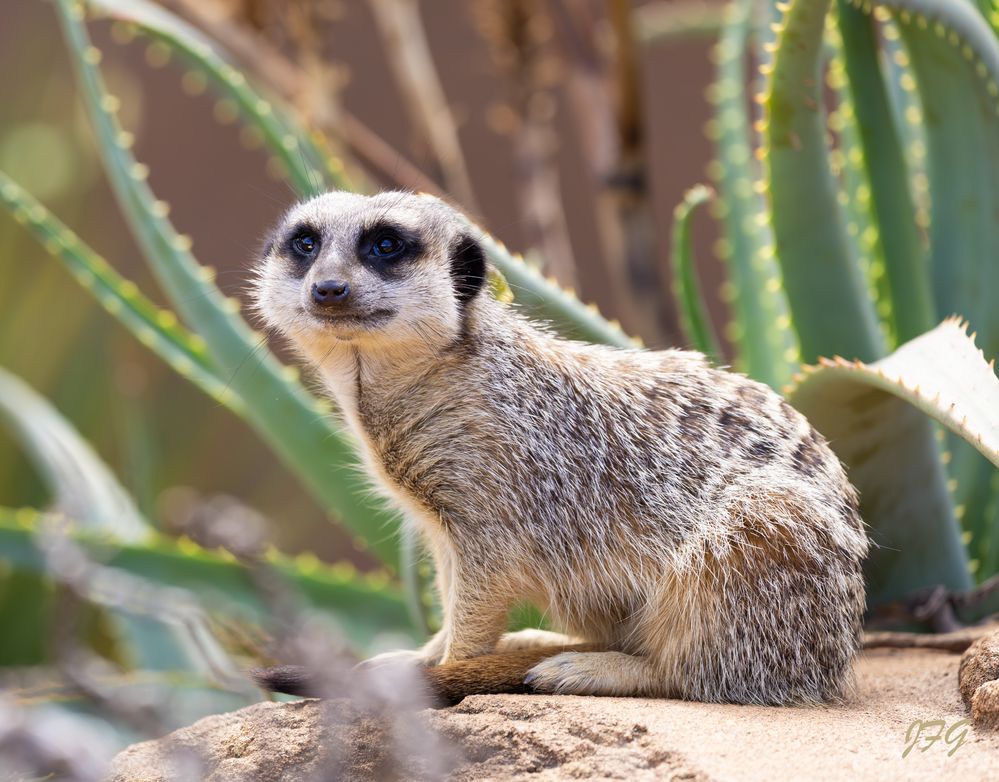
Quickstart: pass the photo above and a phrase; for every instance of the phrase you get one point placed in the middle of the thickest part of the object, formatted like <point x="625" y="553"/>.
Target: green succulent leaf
<point x="154" y="327"/>
<point x="954" y="56"/>
<point x="289" y="419"/>
<point x="767" y="348"/>
<point x="79" y="481"/>
<point x="363" y="606"/>
<point x="694" y="317"/>
<point x="905" y="258"/>
<point x="544" y="299"/>
<point x="812" y="245"/>
<point x="877" y="417"/>
<point x="975" y="489"/>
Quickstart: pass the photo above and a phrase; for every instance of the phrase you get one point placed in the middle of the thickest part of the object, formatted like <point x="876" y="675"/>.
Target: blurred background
<point x="556" y="144"/>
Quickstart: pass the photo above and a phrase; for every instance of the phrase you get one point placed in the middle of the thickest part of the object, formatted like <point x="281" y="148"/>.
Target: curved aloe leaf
<point x="80" y="483"/>
<point x="875" y="417"/>
<point x="686" y="290"/>
<point x="907" y="111"/>
<point x="544" y="299"/>
<point x="812" y="245"/>
<point x="975" y="489"/>
<point x="846" y="164"/>
<point x="363" y="606"/>
<point x="955" y="58"/>
<point x="767" y="348"/>
<point x="906" y="265"/>
<point x="293" y="422"/>
<point x="154" y="327"/>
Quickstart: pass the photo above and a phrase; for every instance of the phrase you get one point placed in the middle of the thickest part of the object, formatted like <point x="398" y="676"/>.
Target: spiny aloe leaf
<point x="847" y="165"/>
<point x="975" y="489"/>
<point x="809" y="230"/>
<point x="544" y="299"/>
<point x="906" y="265"/>
<point x="907" y="112"/>
<point x="955" y="58"/>
<point x="686" y="289"/>
<point x="767" y="348"/>
<point x="82" y="484"/>
<point x="363" y="606"/>
<point x="293" y="423"/>
<point x="154" y="327"/>
<point x="76" y="476"/>
<point x="308" y="169"/>
<point x="876" y="418"/>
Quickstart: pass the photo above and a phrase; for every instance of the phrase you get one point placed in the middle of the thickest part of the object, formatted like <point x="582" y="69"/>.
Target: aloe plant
<point x="854" y="271"/>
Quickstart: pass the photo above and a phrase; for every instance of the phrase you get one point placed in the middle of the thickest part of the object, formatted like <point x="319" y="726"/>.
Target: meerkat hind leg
<point x="596" y="673"/>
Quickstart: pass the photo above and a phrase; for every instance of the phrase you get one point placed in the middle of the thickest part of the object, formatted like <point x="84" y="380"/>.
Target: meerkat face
<point x="388" y="269"/>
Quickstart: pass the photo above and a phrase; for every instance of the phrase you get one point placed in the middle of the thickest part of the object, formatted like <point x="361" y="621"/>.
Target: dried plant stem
<point x="626" y="185"/>
<point x="665" y="21"/>
<point x="519" y="34"/>
<point x="408" y="54"/>
<point x="604" y="101"/>
<point x="545" y="223"/>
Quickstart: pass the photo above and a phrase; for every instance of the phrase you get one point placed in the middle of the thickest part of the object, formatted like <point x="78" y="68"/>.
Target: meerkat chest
<point x="408" y="445"/>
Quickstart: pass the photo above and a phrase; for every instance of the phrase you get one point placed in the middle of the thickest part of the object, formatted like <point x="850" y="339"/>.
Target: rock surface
<point x="977" y="675"/>
<point x="904" y="699"/>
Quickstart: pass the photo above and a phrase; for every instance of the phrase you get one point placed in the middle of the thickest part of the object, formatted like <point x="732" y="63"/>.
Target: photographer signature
<point x="929" y="732"/>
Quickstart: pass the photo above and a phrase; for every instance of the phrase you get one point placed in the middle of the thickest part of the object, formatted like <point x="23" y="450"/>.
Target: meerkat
<point x="683" y="523"/>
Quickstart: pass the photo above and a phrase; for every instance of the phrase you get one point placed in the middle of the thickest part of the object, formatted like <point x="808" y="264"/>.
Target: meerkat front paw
<point x="592" y="673"/>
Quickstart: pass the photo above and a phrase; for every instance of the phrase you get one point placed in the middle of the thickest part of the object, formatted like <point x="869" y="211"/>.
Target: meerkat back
<point x="685" y="529"/>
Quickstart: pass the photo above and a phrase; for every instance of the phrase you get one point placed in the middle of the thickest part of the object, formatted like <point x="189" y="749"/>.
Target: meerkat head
<point x="388" y="269"/>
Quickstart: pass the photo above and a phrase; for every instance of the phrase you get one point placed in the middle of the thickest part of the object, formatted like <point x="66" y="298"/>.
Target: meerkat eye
<point x="387" y="245"/>
<point x="305" y="244"/>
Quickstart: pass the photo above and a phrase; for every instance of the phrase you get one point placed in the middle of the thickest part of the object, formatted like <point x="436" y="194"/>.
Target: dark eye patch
<point x="385" y="246"/>
<point x="302" y="244"/>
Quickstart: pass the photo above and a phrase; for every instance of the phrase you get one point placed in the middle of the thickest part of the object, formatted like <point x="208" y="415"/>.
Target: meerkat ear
<point x="468" y="268"/>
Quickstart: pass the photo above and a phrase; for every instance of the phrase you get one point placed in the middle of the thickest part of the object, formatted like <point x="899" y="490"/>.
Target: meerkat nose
<point x="330" y="292"/>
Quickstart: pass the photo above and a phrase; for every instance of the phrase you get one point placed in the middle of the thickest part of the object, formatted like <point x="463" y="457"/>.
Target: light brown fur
<point x="684" y="522"/>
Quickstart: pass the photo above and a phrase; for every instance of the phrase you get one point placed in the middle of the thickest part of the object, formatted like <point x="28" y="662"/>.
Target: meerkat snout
<point x="684" y="522"/>
<point x="330" y="293"/>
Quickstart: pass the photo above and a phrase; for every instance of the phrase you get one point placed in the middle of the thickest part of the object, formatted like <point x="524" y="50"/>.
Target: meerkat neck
<point x="375" y="373"/>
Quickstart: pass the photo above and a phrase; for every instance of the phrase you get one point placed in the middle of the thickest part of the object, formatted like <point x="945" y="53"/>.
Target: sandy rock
<point x="985" y="705"/>
<point x="977" y="676"/>
<point x="906" y="721"/>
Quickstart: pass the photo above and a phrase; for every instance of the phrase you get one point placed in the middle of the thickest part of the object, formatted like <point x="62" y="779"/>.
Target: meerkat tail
<point x="491" y="674"/>
<point x="445" y="685"/>
<point x="289" y="679"/>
